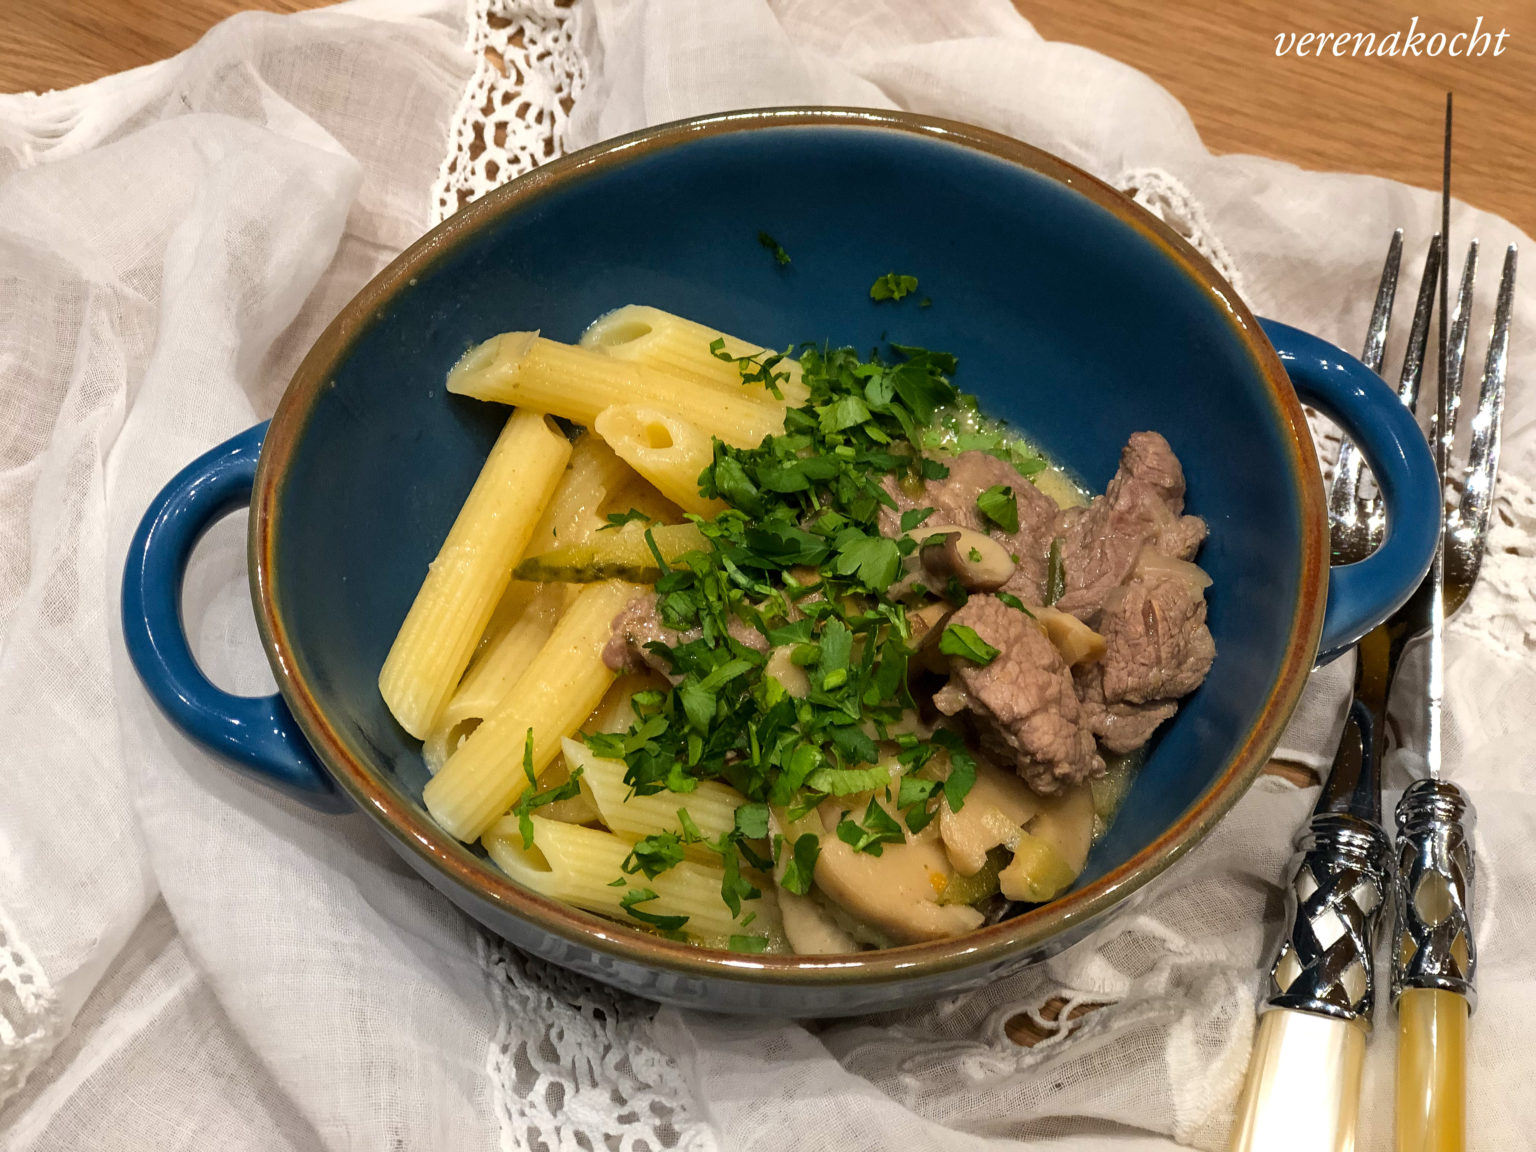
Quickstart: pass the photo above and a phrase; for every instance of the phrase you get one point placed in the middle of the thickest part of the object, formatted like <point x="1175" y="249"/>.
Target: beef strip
<point x="1157" y="645"/>
<point x="953" y="500"/>
<point x="1022" y="704"/>
<point x="1120" y="727"/>
<point x="639" y="624"/>
<point x="1142" y="506"/>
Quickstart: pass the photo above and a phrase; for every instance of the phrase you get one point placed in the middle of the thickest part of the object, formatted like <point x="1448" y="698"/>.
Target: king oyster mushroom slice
<point x="810" y="928"/>
<point x="992" y="815"/>
<point x="895" y="892"/>
<point x="973" y="558"/>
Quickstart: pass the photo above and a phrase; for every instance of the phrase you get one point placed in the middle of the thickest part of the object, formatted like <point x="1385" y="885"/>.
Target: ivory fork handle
<point x="1431" y="1071"/>
<point x="1434" y="965"/>
<point x="1303" y="1088"/>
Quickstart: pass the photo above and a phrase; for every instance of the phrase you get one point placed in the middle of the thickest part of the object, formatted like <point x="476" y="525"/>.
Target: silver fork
<point x="1323" y="980"/>
<point x="1434" y="959"/>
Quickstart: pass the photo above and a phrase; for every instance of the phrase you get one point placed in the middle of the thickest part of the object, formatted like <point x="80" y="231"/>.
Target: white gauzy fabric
<point x="188" y="961"/>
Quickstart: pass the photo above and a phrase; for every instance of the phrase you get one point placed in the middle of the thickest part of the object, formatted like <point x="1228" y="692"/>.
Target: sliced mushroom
<point x="926" y="622"/>
<point x="993" y="814"/>
<point x="1077" y="643"/>
<point x="976" y="560"/>
<point x="1053" y="849"/>
<point x="896" y="892"/>
<point x="810" y="929"/>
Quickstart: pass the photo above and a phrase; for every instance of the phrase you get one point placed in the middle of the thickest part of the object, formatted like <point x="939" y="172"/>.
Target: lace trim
<point x="1165" y="196"/>
<point x="514" y="113"/>
<point x="574" y="1067"/>
<point x="1502" y="609"/>
<point x="31" y="1020"/>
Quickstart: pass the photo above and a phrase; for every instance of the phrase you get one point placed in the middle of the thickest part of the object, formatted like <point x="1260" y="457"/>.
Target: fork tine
<point x="1381" y="314"/>
<point x="1456" y="351"/>
<point x="1418" y="335"/>
<point x="1476" y="506"/>
<point x="1413" y="368"/>
<point x="1346" y="470"/>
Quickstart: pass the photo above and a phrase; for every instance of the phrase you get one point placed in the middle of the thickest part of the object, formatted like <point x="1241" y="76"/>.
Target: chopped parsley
<point x="533" y="798"/>
<point x="780" y="256"/>
<point x="999" y="505"/>
<point x="799" y="557"/>
<point x="960" y="640"/>
<point x="893" y="286"/>
<point x="801" y="864"/>
<point x="630" y="902"/>
<point x="876" y="829"/>
<point x="1013" y="601"/>
<point x="619" y="519"/>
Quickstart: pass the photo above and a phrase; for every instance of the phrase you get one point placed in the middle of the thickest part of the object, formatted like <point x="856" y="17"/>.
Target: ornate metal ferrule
<point x="1433" y="946"/>
<point x="1336" y="896"/>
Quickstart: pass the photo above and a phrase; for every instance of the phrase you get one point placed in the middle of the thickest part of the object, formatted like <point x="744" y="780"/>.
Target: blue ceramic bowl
<point x="1073" y="313"/>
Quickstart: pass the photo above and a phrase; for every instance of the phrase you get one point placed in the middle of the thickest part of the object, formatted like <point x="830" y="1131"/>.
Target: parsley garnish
<point x="960" y="640"/>
<point x="801" y="866"/>
<point x="653" y="855"/>
<point x="801" y="557"/>
<point x="1013" y="601"/>
<point x="532" y="799"/>
<point x="876" y="829"/>
<point x="999" y="505"/>
<point x="962" y="769"/>
<point x="619" y="519"/>
<point x="780" y="256"/>
<point x="747" y="943"/>
<point x="892" y="286"/>
<point x="636" y="896"/>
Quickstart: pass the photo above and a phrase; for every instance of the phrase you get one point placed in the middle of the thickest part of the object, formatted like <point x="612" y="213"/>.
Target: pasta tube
<point x="591" y="481"/>
<point x="577" y="383"/>
<point x="496" y="668"/>
<point x="711" y="806"/>
<point x="563" y="684"/>
<point x="679" y="347"/>
<point x="664" y="448"/>
<point x="471" y="571"/>
<point x="578" y="865"/>
<point x="622" y="553"/>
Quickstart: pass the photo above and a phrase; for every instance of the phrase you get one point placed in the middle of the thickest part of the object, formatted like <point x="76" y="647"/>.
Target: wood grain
<point x="1378" y="115"/>
<point x="1217" y="56"/>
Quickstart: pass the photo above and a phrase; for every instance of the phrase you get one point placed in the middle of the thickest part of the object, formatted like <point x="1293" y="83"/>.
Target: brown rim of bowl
<point x="407" y="821"/>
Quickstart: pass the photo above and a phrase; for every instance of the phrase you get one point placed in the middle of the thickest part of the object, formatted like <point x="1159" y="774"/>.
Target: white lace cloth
<point x="188" y="961"/>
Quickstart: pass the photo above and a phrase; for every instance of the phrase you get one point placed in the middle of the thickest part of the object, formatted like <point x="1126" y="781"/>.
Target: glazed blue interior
<point x="1067" y="322"/>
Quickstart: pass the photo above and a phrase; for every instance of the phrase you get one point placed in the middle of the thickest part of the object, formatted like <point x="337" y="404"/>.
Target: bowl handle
<point x="1363" y="595"/>
<point x="257" y="732"/>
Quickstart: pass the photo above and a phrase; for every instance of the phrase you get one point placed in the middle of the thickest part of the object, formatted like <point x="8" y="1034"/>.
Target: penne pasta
<point x="578" y="865"/>
<point x="671" y="344"/>
<point x="496" y="668"/>
<point x="563" y="684"/>
<point x="593" y="478"/>
<point x="711" y="806"/>
<point x="667" y="450"/>
<point x="470" y="574"/>
<point x="641" y="494"/>
<point x="615" y="554"/>
<point x="523" y="368"/>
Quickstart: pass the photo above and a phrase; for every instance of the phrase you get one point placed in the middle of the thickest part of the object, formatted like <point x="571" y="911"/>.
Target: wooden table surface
<point x="1378" y="115"/>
